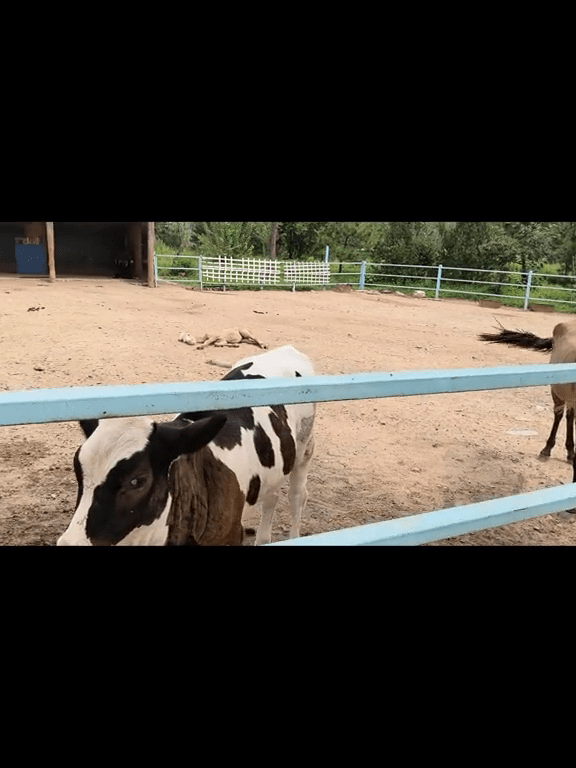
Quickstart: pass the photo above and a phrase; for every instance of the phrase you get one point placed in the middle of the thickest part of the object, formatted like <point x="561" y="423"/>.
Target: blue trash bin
<point x="31" y="259"/>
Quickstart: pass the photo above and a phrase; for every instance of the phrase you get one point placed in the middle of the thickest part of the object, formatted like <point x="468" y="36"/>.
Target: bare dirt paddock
<point x="375" y="459"/>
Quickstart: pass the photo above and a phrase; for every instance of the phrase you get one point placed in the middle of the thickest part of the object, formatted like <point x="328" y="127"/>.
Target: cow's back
<point x="286" y="362"/>
<point x="283" y="362"/>
<point x="263" y="444"/>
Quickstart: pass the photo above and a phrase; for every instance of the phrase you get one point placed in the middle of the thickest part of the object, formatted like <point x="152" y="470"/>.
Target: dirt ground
<point x="375" y="459"/>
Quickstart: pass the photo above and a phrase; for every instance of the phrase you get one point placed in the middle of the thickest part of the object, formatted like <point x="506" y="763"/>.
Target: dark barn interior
<point x="102" y="249"/>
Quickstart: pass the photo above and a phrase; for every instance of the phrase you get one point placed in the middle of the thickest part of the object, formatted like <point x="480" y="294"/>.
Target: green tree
<point x="175" y="234"/>
<point x="476" y="244"/>
<point x="464" y="244"/>
<point x="566" y="246"/>
<point x="299" y="240"/>
<point x="404" y="242"/>
<point x="395" y="247"/>
<point x="260" y="237"/>
<point x="426" y="243"/>
<point x="532" y="242"/>
<point x="227" y="238"/>
<point x="350" y="240"/>
<point x="409" y="242"/>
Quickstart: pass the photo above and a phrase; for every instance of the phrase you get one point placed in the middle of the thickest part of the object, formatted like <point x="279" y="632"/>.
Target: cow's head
<point x="123" y="478"/>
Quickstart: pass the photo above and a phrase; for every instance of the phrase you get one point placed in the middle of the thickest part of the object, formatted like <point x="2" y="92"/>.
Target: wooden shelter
<point x="80" y="248"/>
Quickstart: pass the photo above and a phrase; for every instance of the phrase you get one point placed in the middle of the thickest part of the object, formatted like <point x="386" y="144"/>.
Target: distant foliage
<point x="481" y="245"/>
<point x="300" y="240"/>
<point x="566" y="247"/>
<point x="226" y="238"/>
<point x="174" y="234"/>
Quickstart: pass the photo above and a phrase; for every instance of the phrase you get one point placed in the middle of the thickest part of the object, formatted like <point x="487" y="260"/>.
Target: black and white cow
<point x="189" y="481"/>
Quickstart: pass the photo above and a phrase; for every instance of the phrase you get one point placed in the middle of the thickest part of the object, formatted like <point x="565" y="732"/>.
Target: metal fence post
<point x="155" y="271"/>
<point x="528" y="286"/>
<point x="200" y="270"/>
<point x="327" y="255"/>
<point x="438" y="281"/>
<point x="362" y="276"/>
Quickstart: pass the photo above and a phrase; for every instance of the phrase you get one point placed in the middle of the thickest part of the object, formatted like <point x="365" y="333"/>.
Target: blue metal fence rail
<point x="445" y="523"/>
<point x="54" y="405"/>
<point x="38" y="406"/>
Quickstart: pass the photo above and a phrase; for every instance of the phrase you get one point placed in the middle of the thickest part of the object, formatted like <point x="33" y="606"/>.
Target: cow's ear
<point x="190" y="439"/>
<point x="88" y="426"/>
<point x="200" y="433"/>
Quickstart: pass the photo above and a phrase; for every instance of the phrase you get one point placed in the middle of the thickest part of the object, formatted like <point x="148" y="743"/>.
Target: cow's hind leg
<point x="297" y="493"/>
<point x="265" y="528"/>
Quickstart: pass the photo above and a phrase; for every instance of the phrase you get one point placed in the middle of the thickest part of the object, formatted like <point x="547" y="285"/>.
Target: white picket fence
<point x="436" y="281"/>
<point x="230" y="271"/>
<point x="315" y="273"/>
<point x="226" y="270"/>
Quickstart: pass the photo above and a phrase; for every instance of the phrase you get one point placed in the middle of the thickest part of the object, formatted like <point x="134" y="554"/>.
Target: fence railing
<point x="55" y="405"/>
<point x="224" y="271"/>
<point x="436" y="280"/>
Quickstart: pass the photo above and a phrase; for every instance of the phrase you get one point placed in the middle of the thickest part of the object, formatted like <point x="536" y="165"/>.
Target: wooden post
<point x="44" y="231"/>
<point x="151" y="240"/>
<point x="273" y="242"/>
<point x="50" y="249"/>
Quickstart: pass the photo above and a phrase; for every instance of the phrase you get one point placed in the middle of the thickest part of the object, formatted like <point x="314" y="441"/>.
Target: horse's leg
<point x="570" y="434"/>
<point x="558" y="412"/>
<point x="209" y="340"/>
<point x="570" y="514"/>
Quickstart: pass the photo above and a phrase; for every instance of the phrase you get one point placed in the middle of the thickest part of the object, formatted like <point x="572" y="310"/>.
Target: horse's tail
<point x="518" y="339"/>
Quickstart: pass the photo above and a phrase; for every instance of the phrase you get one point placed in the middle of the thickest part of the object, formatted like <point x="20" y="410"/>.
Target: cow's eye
<point x="137" y="482"/>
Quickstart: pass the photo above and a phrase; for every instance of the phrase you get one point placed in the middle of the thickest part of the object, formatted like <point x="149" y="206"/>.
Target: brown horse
<point x="562" y="345"/>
